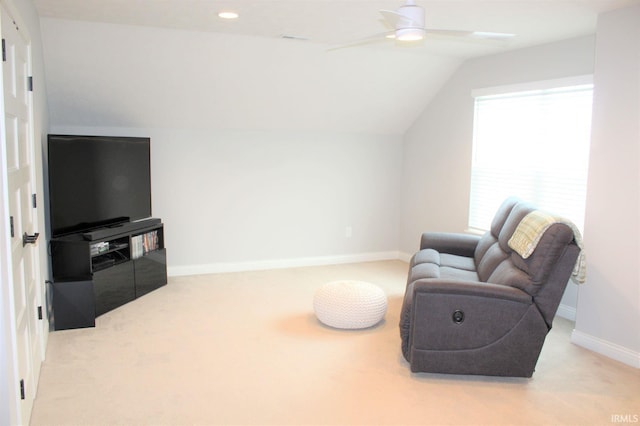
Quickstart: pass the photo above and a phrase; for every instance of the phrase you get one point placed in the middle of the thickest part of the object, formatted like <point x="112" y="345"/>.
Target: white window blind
<point x="532" y="144"/>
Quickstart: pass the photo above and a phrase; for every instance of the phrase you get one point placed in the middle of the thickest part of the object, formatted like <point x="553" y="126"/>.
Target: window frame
<point x="522" y="88"/>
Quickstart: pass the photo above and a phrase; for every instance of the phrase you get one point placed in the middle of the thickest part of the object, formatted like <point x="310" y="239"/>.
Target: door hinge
<point x="22" y="393"/>
<point x="13" y="234"/>
<point x="30" y="84"/>
<point x="39" y="312"/>
<point x="4" y="51"/>
<point x="34" y="201"/>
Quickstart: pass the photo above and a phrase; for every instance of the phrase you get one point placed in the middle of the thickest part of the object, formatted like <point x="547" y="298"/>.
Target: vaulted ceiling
<point x="337" y="22"/>
<point x="268" y="81"/>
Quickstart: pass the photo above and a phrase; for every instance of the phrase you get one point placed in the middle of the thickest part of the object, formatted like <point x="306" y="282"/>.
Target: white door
<point x="21" y="182"/>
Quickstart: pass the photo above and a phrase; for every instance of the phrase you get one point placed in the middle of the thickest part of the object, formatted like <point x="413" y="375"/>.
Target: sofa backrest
<point x="489" y="252"/>
<point x="544" y="274"/>
<point x="549" y="268"/>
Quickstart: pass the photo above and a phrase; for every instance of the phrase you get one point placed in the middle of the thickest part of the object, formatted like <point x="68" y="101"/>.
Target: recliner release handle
<point x="458" y="316"/>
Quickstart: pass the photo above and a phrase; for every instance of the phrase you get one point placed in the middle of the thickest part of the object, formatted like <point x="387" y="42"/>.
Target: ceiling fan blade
<point x="448" y="33"/>
<point x="407" y="24"/>
<point x="492" y="36"/>
<point x="471" y="34"/>
<point x="376" y="38"/>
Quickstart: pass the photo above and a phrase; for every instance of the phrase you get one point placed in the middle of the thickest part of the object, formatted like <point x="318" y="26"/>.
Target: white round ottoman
<point x="350" y="304"/>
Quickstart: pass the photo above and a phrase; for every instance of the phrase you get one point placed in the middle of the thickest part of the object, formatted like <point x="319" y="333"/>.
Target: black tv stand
<point x="97" y="271"/>
<point x="100" y="233"/>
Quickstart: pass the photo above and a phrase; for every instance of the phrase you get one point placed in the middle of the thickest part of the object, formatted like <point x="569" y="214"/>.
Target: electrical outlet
<point x="348" y="232"/>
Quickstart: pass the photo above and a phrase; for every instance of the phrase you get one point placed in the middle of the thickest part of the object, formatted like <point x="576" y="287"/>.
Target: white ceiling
<point x="251" y="79"/>
<point x="339" y="22"/>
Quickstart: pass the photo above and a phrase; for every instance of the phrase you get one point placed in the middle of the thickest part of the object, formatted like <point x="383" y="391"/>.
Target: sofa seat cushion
<point x="458" y="274"/>
<point x="443" y="259"/>
<point x="429" y="263"/>
<point x="457" y="262"/>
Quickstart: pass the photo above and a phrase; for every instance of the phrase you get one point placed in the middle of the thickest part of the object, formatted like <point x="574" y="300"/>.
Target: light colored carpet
<point x="246" y="348"/>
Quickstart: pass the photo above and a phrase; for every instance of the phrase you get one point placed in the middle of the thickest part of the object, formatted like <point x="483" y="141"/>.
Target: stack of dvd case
<point x="143" y="244"/>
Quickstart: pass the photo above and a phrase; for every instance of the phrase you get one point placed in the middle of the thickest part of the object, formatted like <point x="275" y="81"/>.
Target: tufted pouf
<point x="350" y="304"/>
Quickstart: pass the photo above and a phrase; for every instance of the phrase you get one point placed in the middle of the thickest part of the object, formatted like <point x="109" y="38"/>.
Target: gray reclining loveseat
<point x="473" y="305"/>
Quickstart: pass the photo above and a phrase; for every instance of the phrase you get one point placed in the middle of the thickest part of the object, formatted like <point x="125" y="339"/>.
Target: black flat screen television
<point x="97" y="181"/>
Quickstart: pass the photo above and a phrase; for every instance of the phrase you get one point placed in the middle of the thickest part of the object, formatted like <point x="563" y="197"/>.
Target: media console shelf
<point x="96" y="272"/>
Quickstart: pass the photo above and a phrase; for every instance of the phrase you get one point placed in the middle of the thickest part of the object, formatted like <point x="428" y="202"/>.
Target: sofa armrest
<point x="449" y="242"/>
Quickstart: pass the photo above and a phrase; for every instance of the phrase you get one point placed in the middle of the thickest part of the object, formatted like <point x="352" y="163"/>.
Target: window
<point x="531" y="142"/>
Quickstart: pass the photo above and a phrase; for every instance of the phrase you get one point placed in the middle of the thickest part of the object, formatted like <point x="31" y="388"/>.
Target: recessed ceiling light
<point x="227" y="14"/>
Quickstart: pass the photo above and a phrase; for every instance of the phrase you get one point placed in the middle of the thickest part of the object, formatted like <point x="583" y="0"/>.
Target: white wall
<point x="609" y="304"/>
<point x="266" y="196"/>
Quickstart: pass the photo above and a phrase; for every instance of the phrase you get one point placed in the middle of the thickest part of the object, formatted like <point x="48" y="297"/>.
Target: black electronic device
<point x="97" y="181"/>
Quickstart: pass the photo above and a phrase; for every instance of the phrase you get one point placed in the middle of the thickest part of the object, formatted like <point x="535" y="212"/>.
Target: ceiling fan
<point x="407" y="24"/>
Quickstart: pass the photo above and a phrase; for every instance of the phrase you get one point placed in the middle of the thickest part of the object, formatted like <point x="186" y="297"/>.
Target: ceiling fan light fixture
<point x="410" y="34"/>
<point x="410" y="25"/>
<point x="228" y="14"/>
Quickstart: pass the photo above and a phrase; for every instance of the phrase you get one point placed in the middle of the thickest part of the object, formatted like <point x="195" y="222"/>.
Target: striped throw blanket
<point x="529" y="231"/>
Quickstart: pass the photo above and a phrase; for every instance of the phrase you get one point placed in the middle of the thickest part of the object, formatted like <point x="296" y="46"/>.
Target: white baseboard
<point x="608" y="349"/>
<point x="215" y="268"/>
<point x="405" y="257"/>
<point x="566" y="312"/>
